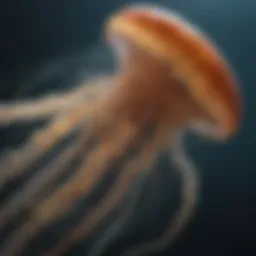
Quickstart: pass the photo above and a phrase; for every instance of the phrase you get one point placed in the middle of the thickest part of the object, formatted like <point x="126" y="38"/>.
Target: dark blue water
<point x="37" y="35"/>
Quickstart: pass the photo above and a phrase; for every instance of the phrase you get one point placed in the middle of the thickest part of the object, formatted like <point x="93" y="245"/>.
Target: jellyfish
<point x="170" y="78"/>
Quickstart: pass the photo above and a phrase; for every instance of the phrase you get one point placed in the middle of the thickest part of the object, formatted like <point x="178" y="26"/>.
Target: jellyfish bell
<point x="199" y="88"/>
<point x="193" y="58"/>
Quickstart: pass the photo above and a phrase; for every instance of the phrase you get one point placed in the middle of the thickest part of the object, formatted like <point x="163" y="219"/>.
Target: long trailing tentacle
<point x="14" y="163"/>
<point x="51" y="105"/>
<point x="117" y="229"/>
<point x="190" y="187"/>
<point x="70" y="192"/>
<point x="144" y="161"/>
<point x="89" y="174"/>
<point x="38" y="186"/>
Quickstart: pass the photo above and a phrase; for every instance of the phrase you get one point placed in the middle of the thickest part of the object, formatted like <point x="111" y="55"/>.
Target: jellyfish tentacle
<point x="144" y="160"/>
<point x="189" y="192"/>
<point x="101" y="245"/>
<point x="89" y="174"/>
<point x="18" y="239"/>
<point x="55" y="104"/>
<point x="115" y="230"/>
<point x="39" y="185"/>
<point x="13" y="164"/>
<point x="70" y="192"/>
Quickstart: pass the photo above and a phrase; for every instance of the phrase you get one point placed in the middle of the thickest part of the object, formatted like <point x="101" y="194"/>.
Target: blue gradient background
<point x="36" y="34"/>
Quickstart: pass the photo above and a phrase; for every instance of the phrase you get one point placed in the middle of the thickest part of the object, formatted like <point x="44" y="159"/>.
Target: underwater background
<point x="50" y="45"/>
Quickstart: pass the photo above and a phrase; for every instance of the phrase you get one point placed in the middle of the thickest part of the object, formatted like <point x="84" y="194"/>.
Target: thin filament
<point x="53" y="104"/>
<point x="190" y="187"/>
<point x="38" y="186"/>
<point x="70" y="192"/>
<point x="13" y="164"/>
<point x="144" y="161"/>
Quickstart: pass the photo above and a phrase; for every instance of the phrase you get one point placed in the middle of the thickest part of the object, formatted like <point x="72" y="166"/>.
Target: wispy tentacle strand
<point x="54" y="104"/>
<point x="84" y="180"/>
<point x="13" y="164"/>
<point x="118" y="228"/>
<point x="39" y="185"/>
<point x="189" y="196"/>
<point x="115" y="229"/>
<point x="144" y="160"/>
